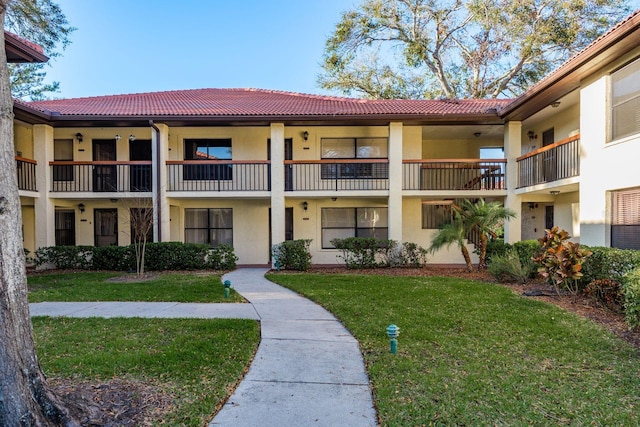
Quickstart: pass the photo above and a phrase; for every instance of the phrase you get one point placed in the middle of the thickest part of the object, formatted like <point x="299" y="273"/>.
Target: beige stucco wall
<point x="565" y="123"/>
<point x="83" y="152"/>
<point x="250" y="225"/>
<point x="308" y="225"/>
<point x="28" y="225"/>
<point x="23" y="137"/>
<point x="605" y="165"/>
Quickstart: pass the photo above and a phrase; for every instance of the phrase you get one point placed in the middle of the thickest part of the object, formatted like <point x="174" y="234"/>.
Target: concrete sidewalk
<point x="166" y="310"/>
<point x="308" y="369"/>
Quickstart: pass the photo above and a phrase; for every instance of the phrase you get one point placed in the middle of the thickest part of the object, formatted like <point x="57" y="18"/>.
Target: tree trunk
<point x="467" y="257"/>
<point x="25" y="399"/>
<point x="482" y="263"/>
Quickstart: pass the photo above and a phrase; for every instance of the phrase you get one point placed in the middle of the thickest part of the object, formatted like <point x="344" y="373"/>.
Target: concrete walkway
<point x="308" y="369"/>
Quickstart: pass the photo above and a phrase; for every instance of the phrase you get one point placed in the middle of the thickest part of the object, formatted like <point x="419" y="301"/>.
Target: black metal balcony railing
<point x="551" y="163"/>
<point x="26" y="174"/>
<point x="217" y="175"/>
<point x="454" y="174"/>
<point x="102" y="176"/>
<point x="336" y="175"/>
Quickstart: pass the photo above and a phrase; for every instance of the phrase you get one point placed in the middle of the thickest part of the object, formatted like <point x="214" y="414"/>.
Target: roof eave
<point x="59" y="120"/>
<point x="569" y="76"/>
<point x="20" y="52"/>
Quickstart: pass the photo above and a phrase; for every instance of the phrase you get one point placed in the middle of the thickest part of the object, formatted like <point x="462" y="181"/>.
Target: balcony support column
<point x="395" y="181"/>
<point x="43" y="206"/>
<point x="159" y="150"/>
<point x="512" y="150"/>
<point x="277" y="184"/>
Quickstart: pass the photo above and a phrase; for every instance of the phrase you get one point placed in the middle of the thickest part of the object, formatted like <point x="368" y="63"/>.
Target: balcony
<point x="336" y="175"/>
<point x="218" y="175"/>
<point x="26" y="169"/>
<point x="102" y="176"/>
<point x="454" y="174"/>
<point x="551" y="163"/>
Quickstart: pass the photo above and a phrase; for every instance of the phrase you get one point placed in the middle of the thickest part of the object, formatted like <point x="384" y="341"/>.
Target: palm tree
<point x="453" y="232"/>
<point x="485" y="219"/>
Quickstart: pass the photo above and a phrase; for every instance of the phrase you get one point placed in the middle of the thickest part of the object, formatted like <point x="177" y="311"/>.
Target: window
<point x="211" y="226"/>
<point x="625" y="219"/>
<point x="355" y="148"/>
<point x="340" y="223"/>
<point x="207" y="149"/>
<point x="625" y="101"/>
<point x="65" y="220"/>
<point x="63" y="151"/>
<point x="436" y="213"/>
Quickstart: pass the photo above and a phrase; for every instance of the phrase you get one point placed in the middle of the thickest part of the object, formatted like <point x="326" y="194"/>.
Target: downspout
<point x="157" y="188"/>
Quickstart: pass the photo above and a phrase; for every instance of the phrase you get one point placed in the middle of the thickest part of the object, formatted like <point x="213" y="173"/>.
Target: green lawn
<point x="472" y="353"/>
<point x="196" y="362"/>
<point x="93" y="286"/>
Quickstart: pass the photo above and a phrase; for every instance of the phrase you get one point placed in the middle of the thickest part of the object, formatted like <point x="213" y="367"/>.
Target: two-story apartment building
<point x="256" y="167"/>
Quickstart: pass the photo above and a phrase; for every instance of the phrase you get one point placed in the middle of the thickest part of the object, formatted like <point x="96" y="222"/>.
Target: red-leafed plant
<point x="561" y="260"/>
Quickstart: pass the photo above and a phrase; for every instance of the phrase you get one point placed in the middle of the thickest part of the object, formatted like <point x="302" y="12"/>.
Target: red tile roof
<point x="256" y="102"/>
<point x="22" y="50"/>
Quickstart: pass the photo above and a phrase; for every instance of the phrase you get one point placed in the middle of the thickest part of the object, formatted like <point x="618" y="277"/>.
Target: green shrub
<point x="115" y="258"/>
<point x="607" y="292"/>
<point x="158" y="257"/>
<point x="292" y="254"/>
<point x="65" y="257"/>
<point x="496" y="247"/>
<point x="509" y="267"/>
<point x="609" y="263"/>
<point x="408" y="255"/>
<point x="176" y="256"/>
<point x="364" y="252"/>
<point x="631" y="289"/>
<point x="222" y="257"/>
<point x="561" y="260"/>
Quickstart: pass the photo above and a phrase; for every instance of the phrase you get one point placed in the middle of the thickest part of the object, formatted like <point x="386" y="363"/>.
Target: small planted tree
<point x="141" y="222"/>
<point x="561" y="260"/>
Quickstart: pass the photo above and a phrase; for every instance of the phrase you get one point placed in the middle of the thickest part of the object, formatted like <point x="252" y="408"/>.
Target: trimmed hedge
<point x="158" y="257"/>
<point x="608" y="263"/>
<point x="369" y="252"/>
<point x="631" y="289"/>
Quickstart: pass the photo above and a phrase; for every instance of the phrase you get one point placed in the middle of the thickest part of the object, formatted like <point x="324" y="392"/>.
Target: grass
<point x="94" y="286"/>
<point x="197" y="362"/>
<point x="472" y="353"/>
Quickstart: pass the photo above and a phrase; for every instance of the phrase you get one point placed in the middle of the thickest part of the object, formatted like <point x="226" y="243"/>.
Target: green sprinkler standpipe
<point x="227" y="285"/>
<point x="392" y="332"/>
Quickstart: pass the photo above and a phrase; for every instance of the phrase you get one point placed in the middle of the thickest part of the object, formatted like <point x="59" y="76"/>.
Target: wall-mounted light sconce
<point x="305" y="135"/>
<point x="477" y="134"/>
<point x="555" y="104"/>
<point x="81" y="207"/>
<point x="531" y="135"/>
<point x="79" y="137"/>
<point x="117" y="137"/>
<point x="554" y="192"/>
<point x="333" y="199"/>
<point x="305" y="205"/>
<point x="132" y="138"/>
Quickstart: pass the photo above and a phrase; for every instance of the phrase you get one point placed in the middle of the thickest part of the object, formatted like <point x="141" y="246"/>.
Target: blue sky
<point x="129" y="46"/>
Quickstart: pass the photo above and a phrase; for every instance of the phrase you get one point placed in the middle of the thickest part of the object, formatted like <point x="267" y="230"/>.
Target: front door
<point x="549" y="160"/>
<point x="140" y="175"/>
<point x="104" y="176"/>
<point x="105" y="227"/>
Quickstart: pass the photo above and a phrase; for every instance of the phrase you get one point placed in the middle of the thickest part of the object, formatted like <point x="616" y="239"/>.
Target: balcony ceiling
<point x="458" y="132"/>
